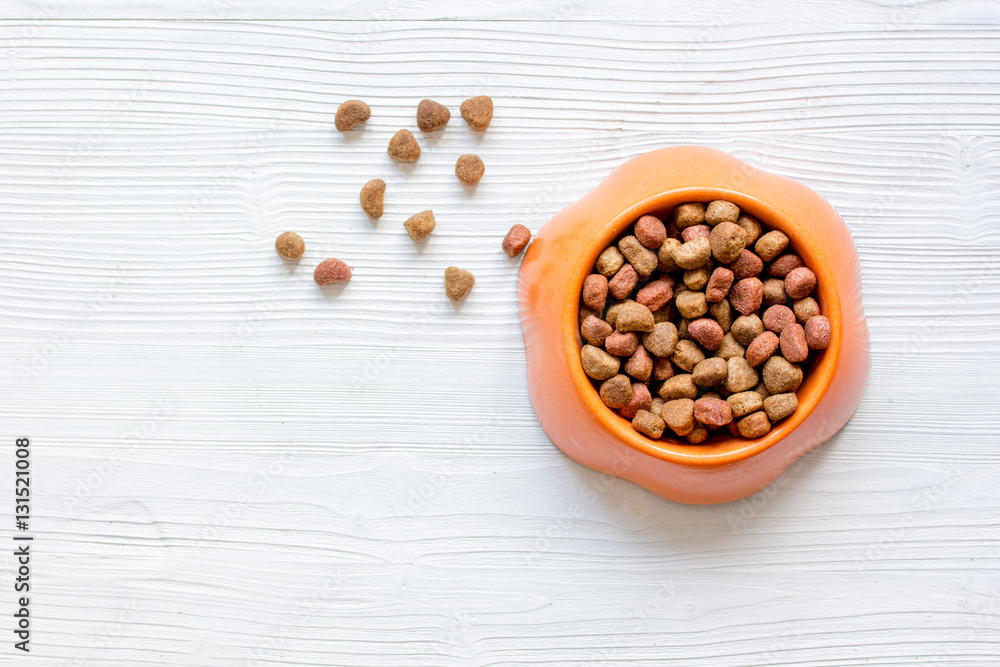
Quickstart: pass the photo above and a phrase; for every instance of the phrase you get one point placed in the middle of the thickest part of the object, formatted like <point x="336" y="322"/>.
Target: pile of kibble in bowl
<point x="701" y="324"/>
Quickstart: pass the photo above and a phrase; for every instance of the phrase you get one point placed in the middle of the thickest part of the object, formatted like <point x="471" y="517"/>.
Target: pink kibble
<point x="713" y="412"/>
<point x="706" y="331"/>
<point x="800" y="282"/>
<point x="662" y="369"/>
<point x="718" y="284"/>
<point x="641" y="400"/>
<point x="696" y="232"/>
<point x="624" y="282"/>
<point x="777" y="318"/>
<point x="650" y="231"/>
<point x="595" y="291"/>
<point x="331" y="271"/>
<point x="746" y="295"/>
<point x="761" y="348"/>
<point x="516" y="240"/>
<point x="818" y="332"/>
<point x="784" y="265"/>
<point x="793" y="343"/>
<point x="656" y="294"/>
<point x="622" y="344"/>
<point x="746" y="265"/>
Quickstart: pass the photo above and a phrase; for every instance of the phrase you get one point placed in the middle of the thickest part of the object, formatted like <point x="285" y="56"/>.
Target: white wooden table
<point x="232" y="467"/>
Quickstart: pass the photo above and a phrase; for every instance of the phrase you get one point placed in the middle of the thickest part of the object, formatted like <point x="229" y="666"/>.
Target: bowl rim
<point x="726" y="450"/>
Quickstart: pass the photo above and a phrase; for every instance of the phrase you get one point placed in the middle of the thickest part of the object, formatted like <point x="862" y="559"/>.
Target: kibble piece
<point x="331" y="271"/>
<point x="712" y="412"/>
<point x="762" y="390"/>
<point x="687" y="355"/>
<point x="616" y="392"/>
<point x="691" y="304"/>
<point x="418" y="226"/>
<point x="595" y="330"/>
<point x="664" y="314"/>
<point x="404" y="147"/>
<point x="781" y="376"/>
<point x="597" y="363"/>
<point x="687" y="215"/>
<point x="771" y="245"/>
<point x="477" y="112"/>
<point x="727" y="241"/>
<point x="587" y="312"/>
<point x="818" y="332"/>
<point x="754" y="425"/>
<point x="719" y="284"/>
<point x="648" y="423"/>
<point x="682" y="329"/>
<point x="678" y="386"/>
<point x="650" y="231"/>
<point x="696" y="232"/>
<point x="698" y="434"/>
<point x="432" y="115"/>
<point x="706" y="331"/>
<point x="641" y="400"/>
<point x="780" y="406"/>
<point x="722" y="313"/>
<point x="800" y="282"/>
<point x="350" y="113"/>
<point x="697" y="278"/>
<point x="679" y="415"/>
<point x="746" y="328"/>
<point x="663" y="369"/>
<point x="733" y="429"/>
<point x="740" y="375"/>
<point x="611" y="316"/>
<point x="783" y="265"/>
<point x="751" y="228"/>
<point x="746" y="295"/>
<point x="746" y="265"/>
<point x="516" y="240"/>
<point x="776" y="318"/>
<point x="372" y="197"/>
<point x="762" y="347"/>
<point x="729" y="347"/>
<point x="457" y="282"/>
<point x="623" y="282"/>
<point x="639" y="256"/>
<point x="655" y="406"/>
<point x="793" y="343"/>
<point x="290" y="246"/>
<point x="710" y="372"/>
<point x="634" y="317"/>
<point x="693" y="254"/>
<point x="609" y="261"/>
<point x="720" y="211"/>
<point x="469" y="168"/>
<point x="774" y="292"/>
<point x="622" y="344"/>
<point x="745" y="402"/>
<point x="640" y="364"/>
<point x="656" y="295"/>
<point x="805" y="308"/>
<point x="665" y="255"/>
<point x="595" y="291"/>
<point x="662" y="340"/>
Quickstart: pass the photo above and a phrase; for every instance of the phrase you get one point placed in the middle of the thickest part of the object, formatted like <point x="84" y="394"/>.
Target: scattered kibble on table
<point x="290" y="246"/>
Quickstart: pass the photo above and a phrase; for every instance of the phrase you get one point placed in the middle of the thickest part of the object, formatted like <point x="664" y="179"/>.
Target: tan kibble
<point x="678" y="386"/>
<point x="432" y="115"/>
<point x="350" y="113"/>
<point x="457" y="282"/>
<point x="477" y="112"/>
<point x="639" y="256"/>
<point x="754" y="425"/>
<point x="691" y="304"/>
<point x="609" y="261"/>
<point x="693" y="254"/>
<point x="688" y="215"/>
<point x="751" y="228"/>
<point x="640" y="364"/>
<point x="780" y="406"/>
<point x="595" y="330"/>
<point x="469" y="169"/>
<point x="805" y="308"/>
<point x="727" y="241"/>
<point x="722" y="313"/>
<point x="611" y="316"/>
<point x="745" y="402"/>
<point x="664" y="314"/>
<point x="597" y="363"/>
<point x="516" y="240"/>
<point x="710" y="372"/>
<point x="774" y="292"/>
<point x="372" y="197"/>
<point x="665" y="255"/>
<point x="682" y="329"/>
<point x="403" y="147"/>
<point x="679" y="415"/>
<point x="648" y="423"/>
<point x="697" y="278"/>
<point x="698" y="434"/>
<point x="762" y="390"/>
<point x="771" y="245"/>
<point x="290" y="246"/>
<point x="616" y="392"/>
<point x="740" y="376"/>
<point x="662" y="340"/>
<point x="418" y="226"/>
<point x="687" y="355"/>
<point x="634" y="317"/>
<point x="655" y="406"/>
<point x="746" y="328"/>
<point x="781" y="376"/>
<point x="729" y="347"/>
<point x="331" y="271"/>
<point x="720" y="211"/>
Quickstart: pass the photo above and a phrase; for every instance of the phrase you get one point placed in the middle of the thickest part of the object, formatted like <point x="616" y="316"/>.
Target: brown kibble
<point x="609" y="261"/>
<point x="774" y="292"/>
<point x="783" y="265"/>
<point x="740" y="376"/>
<point x="793" y="343"/>
<point x="729" y="347"/>
<point x="372" y="197"/>
<point x="733" y="429"/>
<point x="634" y="317"/>
<point x="780" y="406"/>
<point x="746" y="295"/>
<point x="805" y="308"/>
<point x="595" y="291"/>
<point x="290" y="246"/>
<point x="693" y="254"/>
<point x="331" y="271"/>
<point x="640" y="364"/>
<point x="678" y="414"/>
<point x="650" y="231"/>
<point x="727" y="241"/>
<point x="746" y="328"/>
<point x="418" y="226"/>
<point x="818" y="332"/>
<point x="639" y="256"/>
<point x="722" y="313"/>
<point x="611" y="316"/>
<point x="648" y="423"/>
<point x="403" y="147"/>
<point x="665" y="255"/>
<point x="800" y="282"/>
<point x="432" y="116"/>
<point x="719" y="284"/>
<point x="624" y="282"/>
<point x="691" y="304"/>
<point x="696" y="232"/>
<point x="712" y="412"/>
<point x="697" y="278"/>
<point x="655" y="406"/>
<point x="706" y="331"/>
<point x="746" y="265"/>
<point x="587" y="312"/>
<point x="687" y="355"/>
<point x="698" y="435"/>
<point x="777" y="318"/>
<point x="751" y="228"/>
<point x="595" y="330"/>
<point x="350" y="113"/>
<point x="682" y="329"/>
<point x="477" y="112"/>
<point x="755" y="425"/>
<point x="655" y="295"/>
<point x="781" y="376"/>
<point x="710" y="372"/>
<point x="762" y="390"/>
<point x="687" y="215"/>
<point x="641" y="400"/>
<point x="516" y="240"/>
<point x="762" y="347"/>
<point x="457" y="282"/>
<point x="720" y="211"/>
<point x="745" y="402"/>
<point x="662" y="369"/>
<point x="678" y="386"/>
<point x="771" y="245"/>
<point x="662" y="340"/>
<point x="469" y="169"/>
<point x="622" y="344"/>
<point x="616" y="392"/>
<point x="597" y="363"/>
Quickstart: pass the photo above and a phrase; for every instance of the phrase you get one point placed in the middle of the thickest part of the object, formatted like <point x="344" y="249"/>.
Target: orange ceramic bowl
<point x="566" y="402"/>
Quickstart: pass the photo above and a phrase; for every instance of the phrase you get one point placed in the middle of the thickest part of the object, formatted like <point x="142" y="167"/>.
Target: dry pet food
<point x="469" y="169"/>
<point x="457" y="282"/>
<point x="331" y="271"/>
<point x="290" y="246"/>
<point x="516" y="240"/>
<point x="477" y="112"/>
<point x="700" y="322"/>
<point x="350" y="113"/>
<point x="372" y="197"/>
<point x="403" y="147"/>
<point x="432" y="115"/>
<point x="420" y="225"/>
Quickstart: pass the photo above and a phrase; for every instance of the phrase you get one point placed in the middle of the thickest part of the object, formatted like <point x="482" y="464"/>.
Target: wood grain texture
<point x="234" y="467"/>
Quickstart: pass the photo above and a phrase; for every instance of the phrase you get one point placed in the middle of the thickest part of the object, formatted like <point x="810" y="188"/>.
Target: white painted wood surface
<point x="233" y="467"/>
